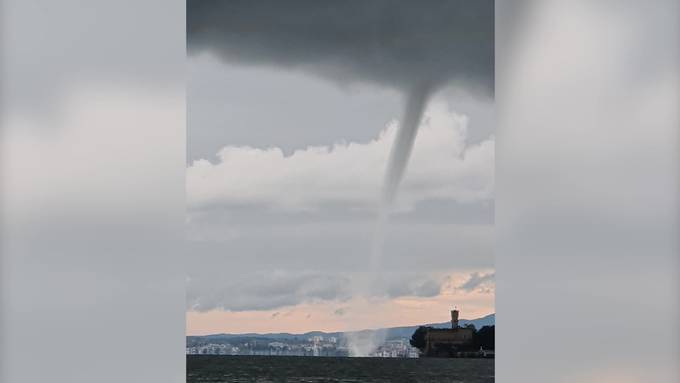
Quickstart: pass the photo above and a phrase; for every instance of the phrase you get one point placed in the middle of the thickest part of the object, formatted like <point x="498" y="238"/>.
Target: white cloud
<point x="442" y="167"/>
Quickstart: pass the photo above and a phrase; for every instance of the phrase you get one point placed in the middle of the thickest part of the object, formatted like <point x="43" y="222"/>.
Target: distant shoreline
<point x="489" y="319"/>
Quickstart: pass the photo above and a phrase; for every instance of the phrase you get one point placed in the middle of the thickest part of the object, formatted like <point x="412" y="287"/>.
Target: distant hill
<point x="391" y="332"/>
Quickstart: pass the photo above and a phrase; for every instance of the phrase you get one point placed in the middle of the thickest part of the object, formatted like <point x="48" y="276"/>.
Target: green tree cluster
<point x="483" y="338"/>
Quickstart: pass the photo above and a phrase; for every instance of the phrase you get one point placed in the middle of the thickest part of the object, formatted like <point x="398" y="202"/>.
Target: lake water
<point x="262" y="369"/>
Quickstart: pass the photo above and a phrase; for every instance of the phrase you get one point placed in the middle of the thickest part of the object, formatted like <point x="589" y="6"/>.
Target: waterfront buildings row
<point x="317" y="346"/>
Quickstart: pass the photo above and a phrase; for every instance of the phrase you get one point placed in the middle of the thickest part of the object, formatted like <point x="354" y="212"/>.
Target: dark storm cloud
<point x="402" y="44"/>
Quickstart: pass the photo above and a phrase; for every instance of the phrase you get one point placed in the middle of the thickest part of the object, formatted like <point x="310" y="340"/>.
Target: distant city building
<point x="445" y="342"/>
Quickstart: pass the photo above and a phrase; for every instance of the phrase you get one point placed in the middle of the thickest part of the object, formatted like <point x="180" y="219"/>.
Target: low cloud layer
<point x="479" y="282"/>
<point x="268" y="290"/>
<point x="263" y="290"/>
<point x="443" y="167"/>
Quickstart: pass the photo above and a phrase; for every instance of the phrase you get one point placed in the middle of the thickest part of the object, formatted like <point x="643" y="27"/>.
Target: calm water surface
<point x="214" y="368"/>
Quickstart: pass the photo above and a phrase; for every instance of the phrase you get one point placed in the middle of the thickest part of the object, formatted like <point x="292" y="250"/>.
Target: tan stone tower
<point x="454" y="318"/>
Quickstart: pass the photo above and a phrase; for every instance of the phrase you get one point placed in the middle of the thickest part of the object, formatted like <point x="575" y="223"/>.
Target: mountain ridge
<point x="391" y="332"/>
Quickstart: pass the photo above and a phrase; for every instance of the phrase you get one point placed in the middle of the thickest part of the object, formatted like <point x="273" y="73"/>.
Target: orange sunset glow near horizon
<point x="354" y="314"/>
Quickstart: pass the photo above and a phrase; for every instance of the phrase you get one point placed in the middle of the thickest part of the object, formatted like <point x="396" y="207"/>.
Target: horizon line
<point x="345" y="331"/>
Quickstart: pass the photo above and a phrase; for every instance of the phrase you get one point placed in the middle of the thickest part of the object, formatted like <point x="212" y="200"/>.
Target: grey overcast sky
<point x="289" y="132"/>
<point x="262" y="107"/>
